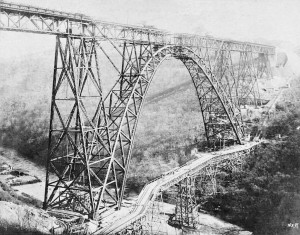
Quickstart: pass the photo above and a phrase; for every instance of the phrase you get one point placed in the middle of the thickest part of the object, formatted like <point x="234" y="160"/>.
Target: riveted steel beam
<point x="77" y="150"/>
<point x="26" y="18"/>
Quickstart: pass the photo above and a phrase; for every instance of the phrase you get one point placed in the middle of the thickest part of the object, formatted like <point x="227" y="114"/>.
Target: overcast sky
<point x="235" y="19"/>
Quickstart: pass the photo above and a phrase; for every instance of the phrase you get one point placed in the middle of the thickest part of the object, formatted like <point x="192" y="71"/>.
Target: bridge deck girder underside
<point x="91" y="137"/>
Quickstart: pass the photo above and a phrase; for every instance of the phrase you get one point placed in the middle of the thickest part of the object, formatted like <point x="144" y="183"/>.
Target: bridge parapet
<point x="194" y="40"/>
<point x="26" y="18"/>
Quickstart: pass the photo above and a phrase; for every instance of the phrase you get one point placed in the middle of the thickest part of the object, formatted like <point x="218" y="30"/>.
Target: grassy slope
<point x="264" y="196"/>
<point x="170" y="120"/>
<point x="169" y="125"/>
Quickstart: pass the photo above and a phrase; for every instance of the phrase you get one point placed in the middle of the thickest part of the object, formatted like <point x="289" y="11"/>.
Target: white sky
<point x="236" y="19"/>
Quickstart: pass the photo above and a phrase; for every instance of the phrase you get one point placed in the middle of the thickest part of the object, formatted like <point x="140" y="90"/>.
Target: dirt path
<point x="12" y="158"/>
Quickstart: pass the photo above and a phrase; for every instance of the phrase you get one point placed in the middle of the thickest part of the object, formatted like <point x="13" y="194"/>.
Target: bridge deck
<point x="26" y="18"/>
<point x="151" y="190"/>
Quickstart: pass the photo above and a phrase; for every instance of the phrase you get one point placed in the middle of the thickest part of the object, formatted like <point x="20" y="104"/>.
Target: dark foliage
<point x="25" y="129"/>
<point x="265" y="196"/>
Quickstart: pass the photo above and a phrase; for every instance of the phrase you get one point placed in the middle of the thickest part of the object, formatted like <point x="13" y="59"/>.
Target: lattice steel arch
<point x="92" y="175"/>
<point x="124" y="102"/>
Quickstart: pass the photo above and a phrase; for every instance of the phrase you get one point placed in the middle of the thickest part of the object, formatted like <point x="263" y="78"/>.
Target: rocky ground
<point x="206" y="224"/>
<point x="22" y="185"/>
<point x="21" y="195"/>
<point x="22" y="219"/>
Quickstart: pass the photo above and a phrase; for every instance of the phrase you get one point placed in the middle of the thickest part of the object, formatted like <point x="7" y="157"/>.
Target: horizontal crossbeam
<point x="25" y="18"/>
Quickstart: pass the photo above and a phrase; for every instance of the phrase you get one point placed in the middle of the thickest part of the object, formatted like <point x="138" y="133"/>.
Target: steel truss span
<point x="239" y="76"/>
<point x="185" y="177"/>
<point x="25" y="18"/>
<point x="74" y="132"/>
<point x="91" y="137"/>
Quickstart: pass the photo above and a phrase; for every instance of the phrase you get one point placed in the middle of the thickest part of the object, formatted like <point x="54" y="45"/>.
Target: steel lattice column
<point x="74" y="136"/>
<point x="247" y="79"/>
<point x="91" y="139"/>
<point x="155" y="218"/>
<point x="207" y="180"/>
<point x="263" y="66"/>
<point x="185" y="203"/>
<point x="125" y="100"/>
<point x="223" y="69"/>
<point x="218" y="127"/>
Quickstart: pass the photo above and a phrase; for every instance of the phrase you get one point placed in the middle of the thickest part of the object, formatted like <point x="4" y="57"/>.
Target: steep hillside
<point x="168" y="129"/>
<point x="170" y="121"/>
<point x="263" y="196"/>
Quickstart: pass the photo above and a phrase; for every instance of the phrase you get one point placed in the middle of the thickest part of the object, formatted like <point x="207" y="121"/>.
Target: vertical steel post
<point x="185" y="203"/>
<point x="74" y="134"/>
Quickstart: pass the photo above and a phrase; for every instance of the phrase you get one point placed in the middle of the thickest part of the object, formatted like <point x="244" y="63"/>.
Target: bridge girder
<point x="26" y="18"/>
<point x="186" y="208"/>
<point x="74" y="135"/>
<point x="91" y="137"/>
<point x="124" y="102"/>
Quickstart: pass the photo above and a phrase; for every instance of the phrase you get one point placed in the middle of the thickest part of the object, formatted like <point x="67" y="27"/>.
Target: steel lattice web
<point x="91" y="137"/>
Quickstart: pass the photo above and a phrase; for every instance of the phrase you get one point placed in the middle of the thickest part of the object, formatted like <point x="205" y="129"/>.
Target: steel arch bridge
<point x="91" y="136"/>
<point x="103" y="142"/>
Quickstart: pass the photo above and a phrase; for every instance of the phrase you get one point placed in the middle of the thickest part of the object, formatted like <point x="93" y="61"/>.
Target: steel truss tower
<point x="263" y="66"/>
<point x="249" y="70"/>
<point x="72" y="182"/>
<point x="185" y="203"/>
<point x="91" y="137"/>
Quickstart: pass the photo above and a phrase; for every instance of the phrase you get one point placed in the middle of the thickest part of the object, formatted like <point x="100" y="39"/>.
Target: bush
<point x="25" y="129"/>
<point x="280" y="107"/>
<point x="265" y="196"/>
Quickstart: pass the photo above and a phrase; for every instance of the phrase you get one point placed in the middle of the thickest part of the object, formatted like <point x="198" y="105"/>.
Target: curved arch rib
<point x="124" y="102"/>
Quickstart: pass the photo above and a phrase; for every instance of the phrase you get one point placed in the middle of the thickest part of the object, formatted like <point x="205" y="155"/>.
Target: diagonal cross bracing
<point x="180" y="175"/>
<point x="91" y="141"/>
<point x="25" y="18"/>
<point x="91" y="137"/>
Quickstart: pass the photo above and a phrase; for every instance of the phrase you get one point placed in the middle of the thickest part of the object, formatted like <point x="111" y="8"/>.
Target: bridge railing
<point x="26" y="18"/>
